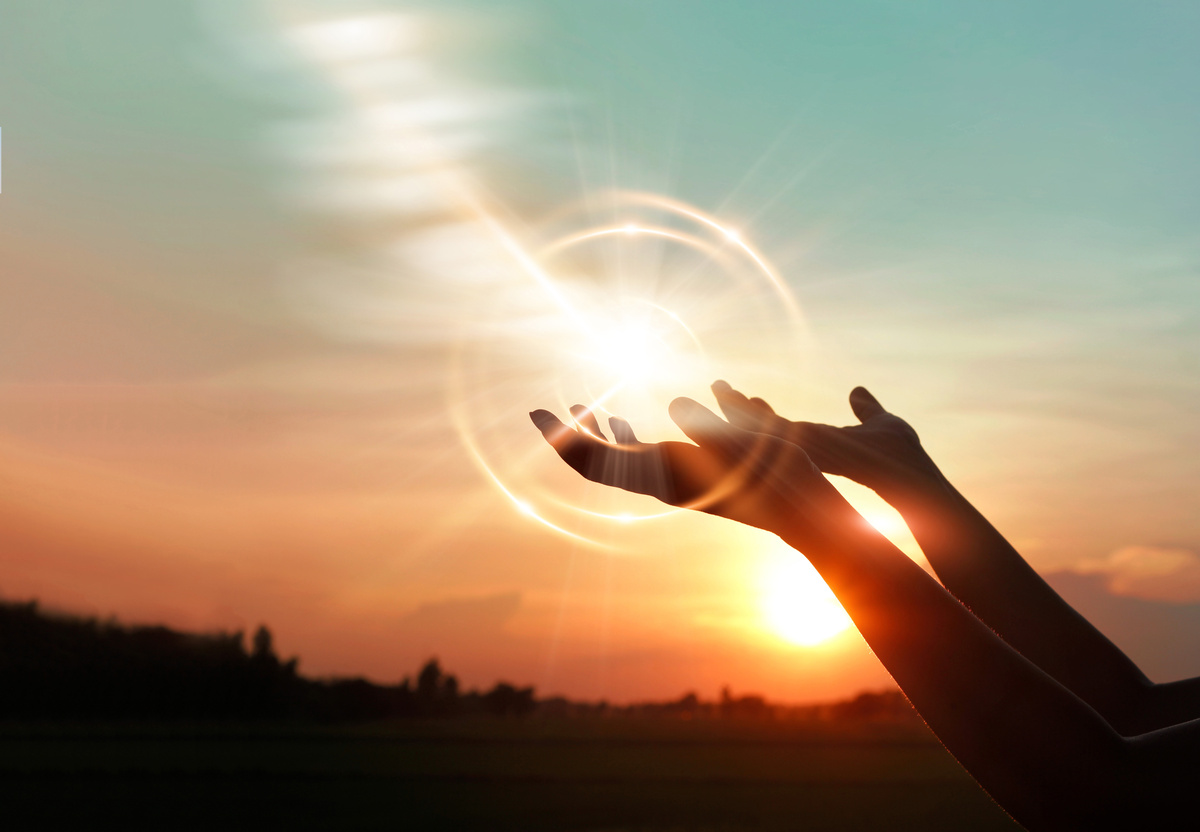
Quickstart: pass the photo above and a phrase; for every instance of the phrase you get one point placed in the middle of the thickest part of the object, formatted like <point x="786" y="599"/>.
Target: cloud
<point x="1162" y="637"/>
<point x="1150" y="572"/>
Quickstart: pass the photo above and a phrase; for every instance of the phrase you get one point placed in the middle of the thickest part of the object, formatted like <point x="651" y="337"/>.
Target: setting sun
<point x="797" y="605"/>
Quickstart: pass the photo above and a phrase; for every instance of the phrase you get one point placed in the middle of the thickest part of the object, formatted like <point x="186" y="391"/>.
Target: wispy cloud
<point x="1150" y="572"/>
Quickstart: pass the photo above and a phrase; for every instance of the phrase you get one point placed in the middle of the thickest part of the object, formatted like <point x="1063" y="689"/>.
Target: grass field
<point x="493" y="774"/>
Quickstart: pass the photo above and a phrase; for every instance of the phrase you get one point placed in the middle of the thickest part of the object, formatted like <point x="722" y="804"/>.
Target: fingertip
<point x="622" y="431"/>
<point x="683" y="408"/>
<point x="586" y="419"/>
<point x="762" y="404"/>
<point x="549" y="424"/>
<point x="720" y="386"/>
<point x="689" y="413"/>
<point x="864" y="404"/>
<point x="738" y="409"/>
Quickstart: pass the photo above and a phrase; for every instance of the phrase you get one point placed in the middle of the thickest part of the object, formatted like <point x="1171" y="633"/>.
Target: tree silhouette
<point x="437" y="692"/>
<point x="506" y="700"/>
<point x="263" y="649"/>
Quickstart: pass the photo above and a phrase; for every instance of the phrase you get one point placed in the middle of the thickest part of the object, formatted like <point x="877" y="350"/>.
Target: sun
<point x="797" y="605"/>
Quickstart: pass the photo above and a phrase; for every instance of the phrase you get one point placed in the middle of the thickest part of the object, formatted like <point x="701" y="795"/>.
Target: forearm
<point x="1033" y="745"/>
<point x="990" y="577"/>
<point x="1171" y="703"/>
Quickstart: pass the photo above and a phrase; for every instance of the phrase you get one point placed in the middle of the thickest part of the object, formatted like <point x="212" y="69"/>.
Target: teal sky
<point x="989" y="212"/>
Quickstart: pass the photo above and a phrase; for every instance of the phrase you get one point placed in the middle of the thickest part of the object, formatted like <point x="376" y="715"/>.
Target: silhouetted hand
<point x="751" y="477"/>
<point x="882" y="453"/>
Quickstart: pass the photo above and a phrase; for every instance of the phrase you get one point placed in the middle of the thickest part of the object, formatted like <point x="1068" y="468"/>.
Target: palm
<point x="751" y="477"/>
<point x="882" y="452"/>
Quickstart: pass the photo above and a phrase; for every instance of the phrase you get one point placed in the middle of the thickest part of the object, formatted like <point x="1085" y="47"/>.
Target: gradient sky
<point x="222" y="404"/>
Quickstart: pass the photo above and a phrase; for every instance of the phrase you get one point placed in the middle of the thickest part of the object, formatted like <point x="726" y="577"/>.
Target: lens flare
<point x="620" y="301"/>
<point x="620" y="317"/>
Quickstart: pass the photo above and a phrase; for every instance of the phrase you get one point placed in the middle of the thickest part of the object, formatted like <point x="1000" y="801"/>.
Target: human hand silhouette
<point x="882" y="453"/>
<point x="751" y="477"/>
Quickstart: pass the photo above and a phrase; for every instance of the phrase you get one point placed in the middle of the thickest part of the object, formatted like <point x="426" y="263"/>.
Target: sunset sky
<point x="269" y="328"/>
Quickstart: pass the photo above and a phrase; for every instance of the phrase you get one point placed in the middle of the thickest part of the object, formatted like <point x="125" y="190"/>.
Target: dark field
<point x="486" y="773"/>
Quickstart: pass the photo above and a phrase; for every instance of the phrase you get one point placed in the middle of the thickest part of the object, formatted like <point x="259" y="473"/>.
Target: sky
<point x="280" y="281"/>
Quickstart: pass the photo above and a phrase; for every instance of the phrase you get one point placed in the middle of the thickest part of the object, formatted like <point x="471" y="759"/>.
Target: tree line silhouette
<point x="59" y="666"/>
<point x="55" y="666"/>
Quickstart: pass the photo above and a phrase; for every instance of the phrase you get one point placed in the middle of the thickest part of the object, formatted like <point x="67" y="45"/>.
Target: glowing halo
<point x="621" y="316"/>
<point x="621" y="301"/>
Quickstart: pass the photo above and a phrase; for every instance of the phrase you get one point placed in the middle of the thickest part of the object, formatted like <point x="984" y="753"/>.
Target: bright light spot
<point x="883" y="518"/>
<point x="885" y="524"/>
<point x="640" y="345"/>
<point x="356" y="38"/>
<point x="797" y="604"/>
<point x="564" y="311"/>
<point x="619" y="318"/>
<point x="634" y="353"/>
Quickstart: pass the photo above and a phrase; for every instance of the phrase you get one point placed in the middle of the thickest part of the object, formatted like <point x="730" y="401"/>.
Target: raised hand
<point x="1035" y="727"/>
<point x="747" y="476"/>
<point x="974" y="561"/>
<point x="882" y="452"/>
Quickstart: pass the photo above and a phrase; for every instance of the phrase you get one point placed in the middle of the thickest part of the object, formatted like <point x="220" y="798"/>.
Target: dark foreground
<point x="489" y="774"/>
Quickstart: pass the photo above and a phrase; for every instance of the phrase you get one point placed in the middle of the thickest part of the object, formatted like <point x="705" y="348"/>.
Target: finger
<point x="864" y="405"/>
<point x="706" y="428"/>
<point x="576" y="449"/>
<point x="550" y="425"/>
<point x="622" y="432"/>
<point x="587" y="420"/>
<point x="747" y="414"/>
<point x="736" y="407"/>
<point x="639" y="469"/>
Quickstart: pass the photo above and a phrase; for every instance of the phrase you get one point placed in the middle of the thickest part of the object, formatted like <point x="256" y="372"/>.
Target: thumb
<point x="864" y="404"/>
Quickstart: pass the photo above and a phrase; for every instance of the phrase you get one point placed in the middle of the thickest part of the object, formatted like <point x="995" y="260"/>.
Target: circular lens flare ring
<point x="631" y="330"/>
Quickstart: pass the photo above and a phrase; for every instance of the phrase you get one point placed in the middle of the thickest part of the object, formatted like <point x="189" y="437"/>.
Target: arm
<point x="976" y="563"/>
<point x="1044" y="755"/>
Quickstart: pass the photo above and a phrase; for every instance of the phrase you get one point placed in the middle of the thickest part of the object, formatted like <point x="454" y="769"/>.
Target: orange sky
<point x="226" y="340"/>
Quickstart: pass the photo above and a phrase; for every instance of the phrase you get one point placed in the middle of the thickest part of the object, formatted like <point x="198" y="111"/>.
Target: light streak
<point x="735" y="238"/>
<point x="621" y="315"/>
<point x="626" y="346"/>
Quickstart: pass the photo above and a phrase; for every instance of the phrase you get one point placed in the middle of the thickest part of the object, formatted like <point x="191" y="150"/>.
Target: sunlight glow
<point x="797" y="604"/>
<point x="886" y="524"/>
<point x="626" y="316"/>
<point x="619" y="301"/>
<point x="883" y="517"/>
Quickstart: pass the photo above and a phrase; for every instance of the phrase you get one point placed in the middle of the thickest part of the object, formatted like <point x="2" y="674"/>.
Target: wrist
<point x="826" y="525"/>
<point x="919" y="491"/>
